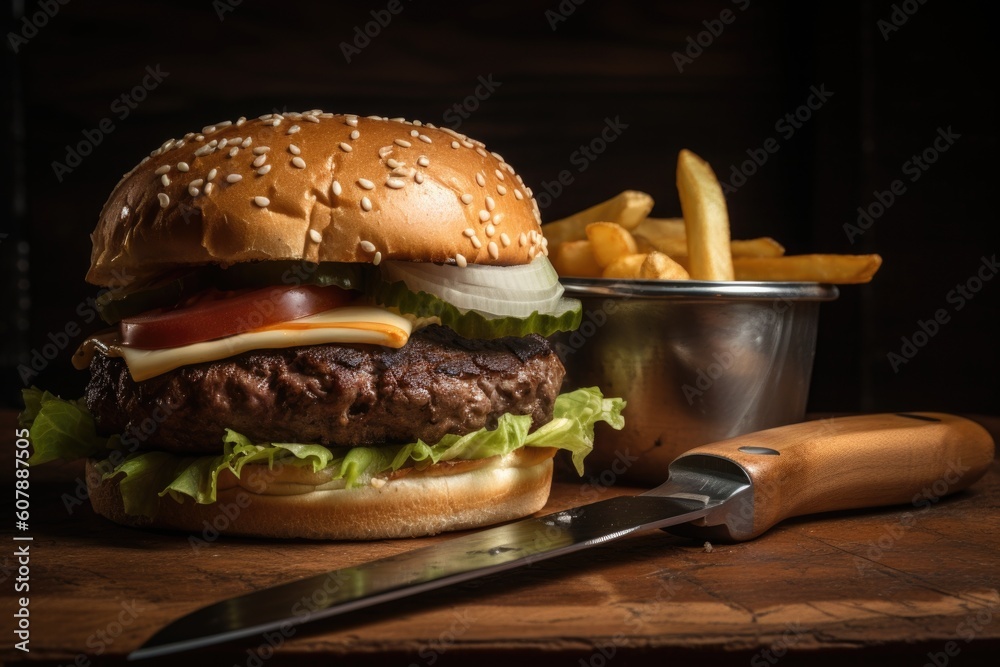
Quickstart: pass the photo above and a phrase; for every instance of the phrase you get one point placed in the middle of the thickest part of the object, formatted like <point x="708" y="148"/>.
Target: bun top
<point x="318" y="187"/>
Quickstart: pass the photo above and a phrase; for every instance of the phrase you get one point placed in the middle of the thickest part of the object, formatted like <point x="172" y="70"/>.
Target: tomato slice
<point x="215" y="314"/>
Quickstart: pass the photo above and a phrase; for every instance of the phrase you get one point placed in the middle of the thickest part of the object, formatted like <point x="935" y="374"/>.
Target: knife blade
<point x="733" y="490"/>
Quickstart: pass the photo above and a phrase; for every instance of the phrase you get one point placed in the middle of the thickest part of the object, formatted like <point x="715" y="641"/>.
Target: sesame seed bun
<point x="448" y="496"/>
<point x="317" y="187"/>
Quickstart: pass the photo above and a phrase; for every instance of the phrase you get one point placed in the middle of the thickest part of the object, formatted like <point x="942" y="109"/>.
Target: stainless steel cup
<point x="697" y="362"/>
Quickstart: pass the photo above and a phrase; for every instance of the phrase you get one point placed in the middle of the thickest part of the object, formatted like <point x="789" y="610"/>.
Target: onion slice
<point x="499" y="291"/>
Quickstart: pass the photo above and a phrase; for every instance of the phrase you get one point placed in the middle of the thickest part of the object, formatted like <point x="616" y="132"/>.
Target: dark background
<point x="554" y="89"/>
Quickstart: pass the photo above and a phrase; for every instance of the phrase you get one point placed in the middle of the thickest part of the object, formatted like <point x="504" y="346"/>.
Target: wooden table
<point x="886" y="586"/>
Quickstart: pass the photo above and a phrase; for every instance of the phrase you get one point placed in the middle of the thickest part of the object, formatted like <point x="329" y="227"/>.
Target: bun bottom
<point x="450" y="496"/>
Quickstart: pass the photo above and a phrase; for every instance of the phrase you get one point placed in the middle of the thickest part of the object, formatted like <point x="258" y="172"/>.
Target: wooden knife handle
<point x="851" y="462"/>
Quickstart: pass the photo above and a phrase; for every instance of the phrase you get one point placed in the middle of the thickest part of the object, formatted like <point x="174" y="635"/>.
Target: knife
<point x="729" y="491"/>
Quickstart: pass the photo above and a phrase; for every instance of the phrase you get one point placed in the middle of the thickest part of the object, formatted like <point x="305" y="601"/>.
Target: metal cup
<point x="697" y="362"/>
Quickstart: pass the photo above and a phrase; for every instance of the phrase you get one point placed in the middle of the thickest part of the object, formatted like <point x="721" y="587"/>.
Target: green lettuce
<point x="65" y="429"/>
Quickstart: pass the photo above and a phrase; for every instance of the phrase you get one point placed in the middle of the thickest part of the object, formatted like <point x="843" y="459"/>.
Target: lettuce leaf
<point x="65" y="429"/>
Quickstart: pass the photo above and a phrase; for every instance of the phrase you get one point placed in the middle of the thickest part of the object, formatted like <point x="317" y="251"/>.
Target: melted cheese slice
<point x="360" y="324"/>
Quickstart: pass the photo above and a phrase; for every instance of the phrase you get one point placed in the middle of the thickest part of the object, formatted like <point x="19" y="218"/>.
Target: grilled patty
<point x="438" y="383"/>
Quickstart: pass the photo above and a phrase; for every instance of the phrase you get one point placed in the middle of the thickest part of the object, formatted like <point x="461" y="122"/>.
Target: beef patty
<point x="438" y="383"/>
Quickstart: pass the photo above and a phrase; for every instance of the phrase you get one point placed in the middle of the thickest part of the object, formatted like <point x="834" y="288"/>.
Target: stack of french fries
<point x="618" y="239"/>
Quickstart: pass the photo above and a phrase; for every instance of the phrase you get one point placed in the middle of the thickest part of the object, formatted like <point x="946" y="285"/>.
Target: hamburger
<point x="322" y="326"/>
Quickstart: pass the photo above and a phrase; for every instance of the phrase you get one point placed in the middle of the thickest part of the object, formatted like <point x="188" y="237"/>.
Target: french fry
<point x="706" y="219"/>
<point x="627" y="208"/>
<point x="658" y="266"/>
<point x="837" y="269"/>
<point x="661" y="228"/>
<point x="575" y="258"/>
<point x="626" y="266"/>
<point x="764" y="246"/>
<point x="609" y="241"/>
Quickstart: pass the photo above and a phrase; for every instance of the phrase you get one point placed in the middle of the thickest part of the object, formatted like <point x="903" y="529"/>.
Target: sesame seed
<point x="504" y="239"/>
<point x="246" y="142"/>
<point x="377" y="259"/>
<point x="193" y="190"/>
<point x="366" y="184"/>
<point x="460" y="260"/>
<point x="198" y="182"/>
<point x="232" y="152"/>
<point x="299" y="162"/>
<point x="346" y="147"/>
<point x="518" y="195"/>
<point x="532" y="252"/>
<point x="292" y="130"/>
<point x="260" y="150"/>
<point x="533" y="236"/>
<point x="355" y="134"/>
<point x="212" y="174"/>
<point x="259" y="160"/>
<point x="484" y="215"/>
<point x="204" y="150"/>
<point x="336" y="188"/>
<point x="315" y="235"/>
<point x="393" y="164"/>
<point x="454" y="144"/>
<point x="480" y="180"/>
<point x="294" y="150"/>
<point x="418" y="177"/>
<point x="366" y="204"/>
<point x="522" y="239"/>
<point x="490" y="204"/>
<point x="225" y="123"/>
<point x="274" y="123"/>
<point x="423" y="161"/>
<point x="467" y="144"/>
<point x="208" y="129"/>
<point x="493" y="250"/>
<point x="490" y="230"/>
<point x="266" y="116"/>
<point x="414" y="133"/>
<point x="424" y="138"/>
<point x="470" y="232"/>
<point x="261" y="201"/>
<point x="234" y="178"/>
<point x="367" y="246"/>
<point x="501" y="189"/>
<point x="164" y="199"/>
<point x="162" y="170"/>
<point x="497" y="156"/>
<point x="214" y="143"/>
<point x="223" y="143"/>
<point x="263" y="170"/>
<point x="394" y="183"/>
<point x="400" y="171"/>
<point x="352" y="121"/>
<point x="402" y="142"/>
<point x="240" y="121"/>
<point x="476" y="243"/>
<point x="165" y="180"/>
<point x="182" y="166"/>
<point x="482" y="151"/>
<point x="499" y="174"/>
<point x="208" y="188"/>
<point x="466" y="198"/>
<point x="199" y="137"/>
<point x="311" y="118"/>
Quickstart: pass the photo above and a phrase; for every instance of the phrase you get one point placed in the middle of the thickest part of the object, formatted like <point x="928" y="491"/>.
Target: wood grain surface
<point x="886" y="586"/>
